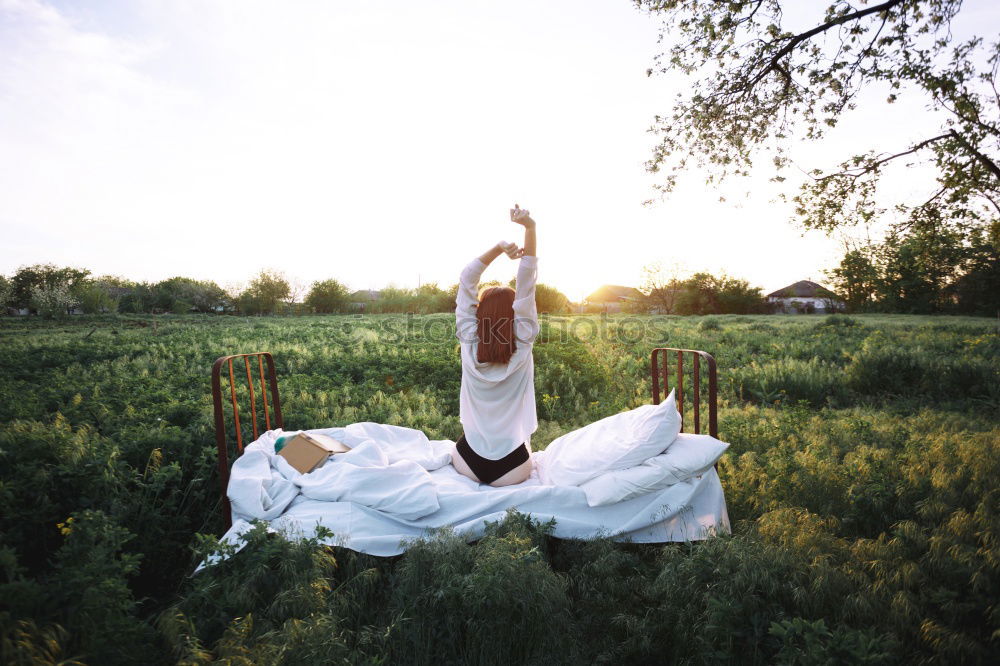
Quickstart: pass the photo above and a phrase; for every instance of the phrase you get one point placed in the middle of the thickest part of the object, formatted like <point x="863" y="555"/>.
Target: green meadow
<point x="863" y="482"/>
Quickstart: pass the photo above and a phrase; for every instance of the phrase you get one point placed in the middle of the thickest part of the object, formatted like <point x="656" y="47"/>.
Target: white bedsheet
<point x="399" y="470"/>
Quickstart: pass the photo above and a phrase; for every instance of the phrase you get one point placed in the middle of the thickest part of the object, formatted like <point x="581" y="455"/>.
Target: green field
<point x="863" y="481"/>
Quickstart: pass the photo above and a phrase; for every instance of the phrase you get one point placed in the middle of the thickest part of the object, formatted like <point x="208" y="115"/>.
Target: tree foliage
<point x="96" y="298"/>
<point x="923" y="272"/>
<point x="181" y="294"/>
<point x="755" y="84"/>
<point x="51" y="302"/>
<point x="6" y="291"/>
<point x="432" y="298"/>
<point x="425" y="299"/>
<point x="659" y="284"/>
<point x="700" y="294"/>
<point x="549" y="299"/>
<point x="44" y="280"/>
<point x="265" y="293"/>
<point x="328" y="296"/>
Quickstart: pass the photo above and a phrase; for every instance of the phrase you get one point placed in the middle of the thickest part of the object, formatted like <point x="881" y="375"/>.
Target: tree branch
<point x="877" y="163"/>
<point x="993" y="76"/>
<point x="983" y="159"/>
<point x="933" y="198"/>
<point x="991" y="200"/>
<point x="750" y="15"/>
<point x="801" y="37"/>
<point x="953" y="108"/>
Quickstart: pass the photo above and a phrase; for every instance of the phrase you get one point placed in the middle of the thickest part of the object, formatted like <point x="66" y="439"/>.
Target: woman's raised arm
<point x="523" y="217"/>
<point x="525" y="310"/>
<point x="491" y="254"/>
<point x="468" y="297"/>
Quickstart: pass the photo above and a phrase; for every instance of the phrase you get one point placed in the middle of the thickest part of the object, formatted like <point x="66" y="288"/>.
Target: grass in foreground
<point x="862" y="477"/>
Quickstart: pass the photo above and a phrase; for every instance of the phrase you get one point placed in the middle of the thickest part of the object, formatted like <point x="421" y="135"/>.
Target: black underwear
<point x="486" y="470"/>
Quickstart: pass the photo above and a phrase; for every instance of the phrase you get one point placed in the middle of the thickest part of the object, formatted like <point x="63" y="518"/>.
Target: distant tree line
<point x="665" y="291"/>
<point x="54" y="291"/>
<point x="920" y="273"/>
<point x="931" y="269"/>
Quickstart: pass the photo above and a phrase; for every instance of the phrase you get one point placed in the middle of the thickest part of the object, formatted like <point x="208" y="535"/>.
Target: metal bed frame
<point x="270" y="401"/>
<point x="272" y="417"/>
<point x="695" y="375"/>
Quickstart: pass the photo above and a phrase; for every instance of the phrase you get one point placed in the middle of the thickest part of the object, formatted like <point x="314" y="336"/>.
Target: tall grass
<point x="862" y="477"/>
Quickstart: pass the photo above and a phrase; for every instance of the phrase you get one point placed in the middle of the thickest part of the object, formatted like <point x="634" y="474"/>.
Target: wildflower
<point x="66" y="527"/>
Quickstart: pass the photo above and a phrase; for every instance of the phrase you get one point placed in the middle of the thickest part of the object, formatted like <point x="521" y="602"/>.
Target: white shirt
<point x="497" y="401"/>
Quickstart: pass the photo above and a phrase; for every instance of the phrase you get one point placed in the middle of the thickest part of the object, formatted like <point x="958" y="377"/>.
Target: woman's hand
<point x="521" y="216"/>
<point x="511" y="249"/>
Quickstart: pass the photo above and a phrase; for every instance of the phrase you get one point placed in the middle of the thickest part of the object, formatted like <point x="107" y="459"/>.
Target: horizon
<point x="298" y="298"/>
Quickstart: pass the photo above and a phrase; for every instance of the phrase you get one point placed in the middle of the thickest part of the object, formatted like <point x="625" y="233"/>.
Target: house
<point x="359" y="298"/>
<point x="805" y="297"/>
<point x="612" y="298"/>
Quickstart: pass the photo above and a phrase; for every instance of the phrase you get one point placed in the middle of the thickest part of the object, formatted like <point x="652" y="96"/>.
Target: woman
<point x="496" y="332"/>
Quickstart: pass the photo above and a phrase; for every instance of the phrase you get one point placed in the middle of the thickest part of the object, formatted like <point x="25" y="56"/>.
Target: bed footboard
<point x="660" y="363"/>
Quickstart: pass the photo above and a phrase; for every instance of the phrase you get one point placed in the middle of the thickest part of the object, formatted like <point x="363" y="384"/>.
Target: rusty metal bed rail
<point x="253" y="366"/>
<point x="695" y="374"/>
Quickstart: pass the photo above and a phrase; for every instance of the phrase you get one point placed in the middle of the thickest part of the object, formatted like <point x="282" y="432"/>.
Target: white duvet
<point x="396" y="485"/>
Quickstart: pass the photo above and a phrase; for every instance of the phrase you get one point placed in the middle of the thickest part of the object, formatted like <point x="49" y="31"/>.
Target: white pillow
<point x="616" y="442"/>
<point x="689" y="456"/>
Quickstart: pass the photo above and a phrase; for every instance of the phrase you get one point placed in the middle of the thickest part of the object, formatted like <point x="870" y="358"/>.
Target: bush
<point x="498" y="602"/>
<point x="709" y="324"/>
<point x="6" y="294"/>
<point x="25" y="644"/>
<point x="549" y="299"/>
<point x="45" y="470"/>
<point x="95" y="299"/>
<point x="892" y="371"/>
<point x="181" y="295"/>
<point x="605" y="579"/>
<point x="805" y="642"/>
<point x="327" y="296"/>
<point x="91" y="574"/>
<point x="52" y="302"/>
<point x="265" y="293"/>
<point x="789" y="379"/>
<point x="838" y="321"/>
<point x="45" y="277"/>
<point x="269" y="603"/>
<point x="732" y="590"/>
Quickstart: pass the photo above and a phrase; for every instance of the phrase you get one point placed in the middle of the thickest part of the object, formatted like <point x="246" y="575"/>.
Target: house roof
<point x="612" y="293"/>
<point x="803" y="289"/>
<point x="364" y="295"/>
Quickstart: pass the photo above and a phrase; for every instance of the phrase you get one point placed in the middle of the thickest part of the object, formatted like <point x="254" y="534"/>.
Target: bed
<point x="689" y="510"/>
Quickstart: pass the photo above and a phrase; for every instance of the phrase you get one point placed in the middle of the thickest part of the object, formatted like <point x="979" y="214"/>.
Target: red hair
<point x="495" y="318"/>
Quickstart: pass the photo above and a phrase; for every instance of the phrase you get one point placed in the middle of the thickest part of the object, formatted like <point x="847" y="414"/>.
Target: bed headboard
<point x="660" y="363"/>
<point x="245" y="394"/>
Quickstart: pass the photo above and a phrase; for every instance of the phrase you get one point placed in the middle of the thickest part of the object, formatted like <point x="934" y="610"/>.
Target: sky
<point x="372" y="142"/>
